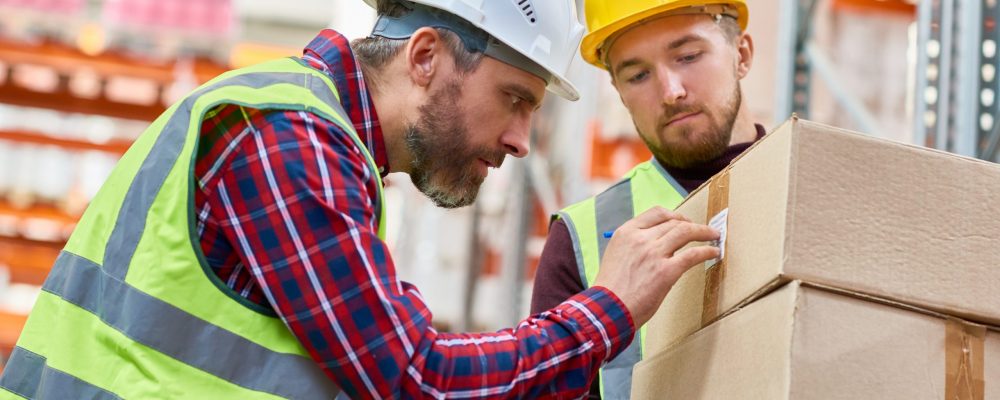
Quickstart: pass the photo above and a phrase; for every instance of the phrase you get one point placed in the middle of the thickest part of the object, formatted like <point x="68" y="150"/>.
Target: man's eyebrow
<point x="676" y="43"/>
<point x="685" y="40"/>
<point x="627" y="63"/>
<point x="524" y="93"/>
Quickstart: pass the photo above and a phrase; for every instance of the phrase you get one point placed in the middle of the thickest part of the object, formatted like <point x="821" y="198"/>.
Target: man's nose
<point x="672" y="87"/>
<point x="517" y="138"/>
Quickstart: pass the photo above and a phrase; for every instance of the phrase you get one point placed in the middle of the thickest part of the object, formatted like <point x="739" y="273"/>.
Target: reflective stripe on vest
<point x="132" y="216"/>
<point x="645" y="186"/>
<point x="30" y="369"/>
<point x="145" y="334"/>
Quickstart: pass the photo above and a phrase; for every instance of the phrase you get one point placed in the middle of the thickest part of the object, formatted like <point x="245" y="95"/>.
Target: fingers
<point x="683" y="233"/>
<point x="655" y="216"/>
<point x="689" y="257"/>
<point x="657" y="231"/>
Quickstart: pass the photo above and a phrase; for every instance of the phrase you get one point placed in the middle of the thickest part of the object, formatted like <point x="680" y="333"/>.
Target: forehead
<point x="660" y="32"/>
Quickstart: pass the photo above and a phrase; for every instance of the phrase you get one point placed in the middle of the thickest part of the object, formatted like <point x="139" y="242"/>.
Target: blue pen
<point x="607" y="235"/>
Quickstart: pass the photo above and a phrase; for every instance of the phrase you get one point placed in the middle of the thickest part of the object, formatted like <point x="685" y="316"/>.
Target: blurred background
<point x="80" y="79"/>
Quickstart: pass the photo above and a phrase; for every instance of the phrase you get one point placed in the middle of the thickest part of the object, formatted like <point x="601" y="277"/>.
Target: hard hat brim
<point x="563" y="88"/>
<point x="557" y="84"/>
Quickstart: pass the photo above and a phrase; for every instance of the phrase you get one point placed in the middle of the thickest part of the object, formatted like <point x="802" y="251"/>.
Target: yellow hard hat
<point x="605" y="18"/>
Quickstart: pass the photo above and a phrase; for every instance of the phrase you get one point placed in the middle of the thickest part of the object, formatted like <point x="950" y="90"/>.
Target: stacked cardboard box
<point x="805" y="343"/>
<point x="897" y="248"/>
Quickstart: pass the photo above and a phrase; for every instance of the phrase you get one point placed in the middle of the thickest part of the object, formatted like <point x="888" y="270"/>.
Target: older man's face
<point x="468" y="125"/>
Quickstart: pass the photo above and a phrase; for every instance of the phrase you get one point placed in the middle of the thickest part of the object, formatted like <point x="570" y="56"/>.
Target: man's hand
<point x="642" y="261"/>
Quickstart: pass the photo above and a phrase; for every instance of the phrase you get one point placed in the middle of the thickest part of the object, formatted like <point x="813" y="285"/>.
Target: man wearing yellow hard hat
<point x="677" y="65"/>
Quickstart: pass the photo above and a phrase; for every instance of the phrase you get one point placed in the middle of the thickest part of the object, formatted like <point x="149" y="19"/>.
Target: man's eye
<point x="690" y="58"/>
<point x="638" y="77"/>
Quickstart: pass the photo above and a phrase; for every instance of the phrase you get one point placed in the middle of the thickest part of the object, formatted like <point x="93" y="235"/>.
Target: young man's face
<point x="468" y="125"/>
<point x="679" y="78"/>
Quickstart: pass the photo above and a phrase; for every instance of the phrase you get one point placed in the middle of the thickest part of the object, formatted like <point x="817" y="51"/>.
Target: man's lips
<point x="492" y="164"/>
<point x="486" y="165"/>
<point x="681" y="118"/>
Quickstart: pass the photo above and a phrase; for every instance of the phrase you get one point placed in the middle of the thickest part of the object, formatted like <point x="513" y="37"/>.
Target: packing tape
<point x="964" y="375"/>
<point x="718" y="201"/>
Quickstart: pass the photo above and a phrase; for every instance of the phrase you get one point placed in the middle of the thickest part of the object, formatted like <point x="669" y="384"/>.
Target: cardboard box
<point x="806" y="343"/>
<point x="820" y="204"/>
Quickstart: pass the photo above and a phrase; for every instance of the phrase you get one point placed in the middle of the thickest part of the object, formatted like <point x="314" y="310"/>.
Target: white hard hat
<point x="538" y="36"/>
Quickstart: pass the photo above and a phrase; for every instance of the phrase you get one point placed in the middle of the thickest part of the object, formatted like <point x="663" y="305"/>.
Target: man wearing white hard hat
<point x="677" y="66"/>
<point x="237" y="251"/>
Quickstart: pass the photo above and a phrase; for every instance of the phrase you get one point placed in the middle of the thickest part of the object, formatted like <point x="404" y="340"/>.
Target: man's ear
<point x="744" y="49"/>
<point x="422" y="53"/>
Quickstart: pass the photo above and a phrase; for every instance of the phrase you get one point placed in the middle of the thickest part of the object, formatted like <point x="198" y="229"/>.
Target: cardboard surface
<point x="801" y="342"/>
<point x="831" y="207"/>
<point x="714" y="363"/>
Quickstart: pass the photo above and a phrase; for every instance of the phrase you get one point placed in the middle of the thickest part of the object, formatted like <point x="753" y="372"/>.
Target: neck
<point x="390" y="106"/>
<point x="744" y="129"/>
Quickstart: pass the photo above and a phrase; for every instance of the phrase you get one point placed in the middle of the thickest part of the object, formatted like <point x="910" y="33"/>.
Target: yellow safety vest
<point x="132" y="310"/>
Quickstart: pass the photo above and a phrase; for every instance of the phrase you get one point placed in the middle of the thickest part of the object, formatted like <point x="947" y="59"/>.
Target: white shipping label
<point x="719" y="222"/>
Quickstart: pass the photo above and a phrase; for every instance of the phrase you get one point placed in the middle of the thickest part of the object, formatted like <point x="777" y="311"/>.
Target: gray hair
<point x="375" y="52"/>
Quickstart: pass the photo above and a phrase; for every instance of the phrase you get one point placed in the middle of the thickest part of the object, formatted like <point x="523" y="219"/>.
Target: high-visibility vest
<point x="591" y="223"/>
<point x="131" y="308"/>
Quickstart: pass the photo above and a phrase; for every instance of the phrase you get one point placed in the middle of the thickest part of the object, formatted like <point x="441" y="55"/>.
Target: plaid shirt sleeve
<point x="297" y="201"/>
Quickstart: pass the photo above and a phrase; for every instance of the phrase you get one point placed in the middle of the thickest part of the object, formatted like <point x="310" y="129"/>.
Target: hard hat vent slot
<point x="527" y="9"/>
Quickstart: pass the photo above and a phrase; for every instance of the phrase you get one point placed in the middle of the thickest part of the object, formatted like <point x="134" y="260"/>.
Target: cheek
<point x="645" y="114"/>
<point x="488" y="121"/>
<point x="724" y="79"/>
<point x="640" y="93"/>
<point x="643" y="98"/>
<point x="491" y="116"/>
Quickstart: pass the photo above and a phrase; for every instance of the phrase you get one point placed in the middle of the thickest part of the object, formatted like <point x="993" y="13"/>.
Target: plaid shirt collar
<point x="331" y="53"/>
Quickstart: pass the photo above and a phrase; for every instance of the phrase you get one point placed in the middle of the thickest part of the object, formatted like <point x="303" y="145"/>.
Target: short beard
<point x="708" y="146"/>
<point x="443" y="161"/>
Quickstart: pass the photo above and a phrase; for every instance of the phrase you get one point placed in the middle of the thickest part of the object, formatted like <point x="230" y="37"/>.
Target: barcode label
<point x="719" y="222"/>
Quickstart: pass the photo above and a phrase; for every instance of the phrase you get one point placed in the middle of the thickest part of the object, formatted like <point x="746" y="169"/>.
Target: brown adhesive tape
<point x="718" y="200"/>
<point x="964" y="375"/>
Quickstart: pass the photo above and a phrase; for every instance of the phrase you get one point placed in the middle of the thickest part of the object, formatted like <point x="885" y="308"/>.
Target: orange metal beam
<point x="11" y="326"/>
<point x="65" y="101"/>
<point x="117" y="146"/>
<point x="68" y="59"/>
<point x="877" y="6"/>
<point x="29" y="260"/>
<point x="37" y="211"/>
